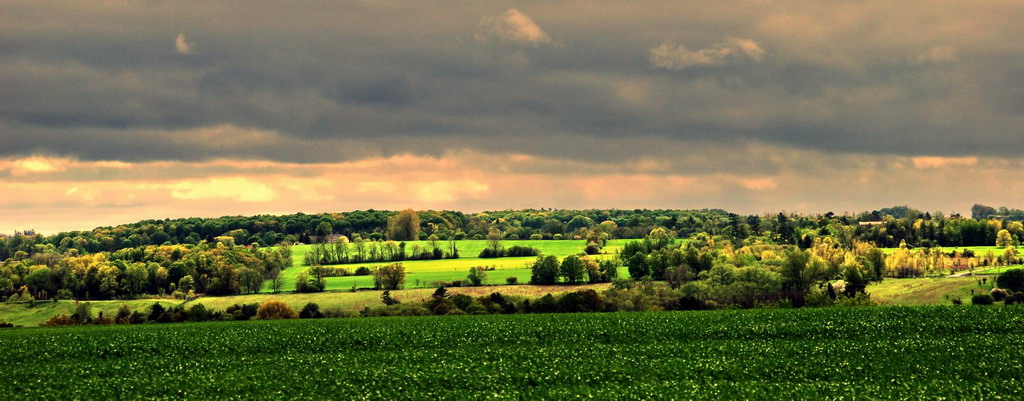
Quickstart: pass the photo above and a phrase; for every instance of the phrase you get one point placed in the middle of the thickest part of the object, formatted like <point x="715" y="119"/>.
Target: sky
<point x="117" y="111"/>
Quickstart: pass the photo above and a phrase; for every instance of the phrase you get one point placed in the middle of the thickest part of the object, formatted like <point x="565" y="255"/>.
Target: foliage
<point x="274" y="309"/>
<point x="389" y="277"/>
<point x="545" y="270"/>
<point x="477" y="275"/>
<point x="1012" y="280"/>
<point x="310" y="311"/>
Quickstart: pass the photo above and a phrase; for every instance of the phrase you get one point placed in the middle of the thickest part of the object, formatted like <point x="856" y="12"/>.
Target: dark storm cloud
<point x="326" y="81"/>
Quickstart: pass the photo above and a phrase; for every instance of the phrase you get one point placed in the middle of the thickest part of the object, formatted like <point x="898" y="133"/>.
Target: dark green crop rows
<point x="916" y="353"/>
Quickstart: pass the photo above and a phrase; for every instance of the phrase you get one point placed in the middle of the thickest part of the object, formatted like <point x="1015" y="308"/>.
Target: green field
<point x="422" y="273"/>
<point x="834" y="353"/>
<point x="978" y="250"/>
<point x="926" y="291"/>
<point x="26" y="314"/>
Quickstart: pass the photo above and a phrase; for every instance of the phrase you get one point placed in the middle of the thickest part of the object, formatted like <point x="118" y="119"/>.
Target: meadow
<point x="896" y="352"/>
<point x="423" y="273"/>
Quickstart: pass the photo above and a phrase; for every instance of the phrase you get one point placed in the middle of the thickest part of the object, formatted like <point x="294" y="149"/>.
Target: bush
<point x="491" y="253"/>
<point x="1012" y="280"/>
<point x="536" y="237"/>
<point x="982" y="299"/>
<point x="362" y="271"/>
<point x="592" y="249"/>
<point x="198" y="313"/>
<point x="242" y="312"/>
<point x="310" y="311"/>
<point x="274" y="309"/>
<point x="520" y="251"/>
<point x="512" y="280"/>
<point x="998" y="294"/>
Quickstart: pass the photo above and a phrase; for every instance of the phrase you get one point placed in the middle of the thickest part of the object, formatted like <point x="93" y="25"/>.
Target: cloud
<point x="448" y="191"/>
<point x="671" y="56"/>
<point x="925" y="162"/>
<point x="33" y="165"/>
<point x="235" y="188"/>
<point x="938" y="54"/>
<point x="513" y="26"/>
<point x="181" y="45"/>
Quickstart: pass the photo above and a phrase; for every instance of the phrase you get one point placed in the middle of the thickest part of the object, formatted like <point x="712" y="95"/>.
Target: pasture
<point x="422" y="273"/>
<point x="850" y="353"/>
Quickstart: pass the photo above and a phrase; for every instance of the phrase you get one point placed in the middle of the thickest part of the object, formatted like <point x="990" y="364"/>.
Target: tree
<point x="1012" y="280"/>
<point x="494" y="242"/>
<point x="251" y="280"/>
<point x="1004" y="239"/>
<point x="638" y="266"/>
<point x="677" y="275"/>
<point x="276" y="281"/>
<point x="186" y="284"/>
<point x="545" y="270"/>
<point x="855" y="280"/>
<point x="387" y="299"/>
<point x="572" y="269"/>
<point x="136" y="278"/>
<point x="404" y="226"/>
<point x="389" y="277"/>
<point x="477" y="275"/>
<point x="794" y="270"/>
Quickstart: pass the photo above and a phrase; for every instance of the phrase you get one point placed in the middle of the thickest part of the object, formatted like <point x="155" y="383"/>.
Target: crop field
<point x="421" y="273"/>
<point x="850" y="353"/>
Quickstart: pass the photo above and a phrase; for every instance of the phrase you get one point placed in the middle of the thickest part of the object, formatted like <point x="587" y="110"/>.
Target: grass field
<point x="835" y="353"/>
<point x="25" y="314"/>
<point x="421" y="273"/>
<point x="926" y="291"/>
<point x="978" y="250"/>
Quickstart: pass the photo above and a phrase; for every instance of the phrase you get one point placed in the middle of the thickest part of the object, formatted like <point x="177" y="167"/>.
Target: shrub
<point x="982" y="299"/>
<point x="386" y="298"/>
<point x="1012" y="280"/>
<point x="274" y="309"/>
<point x="592" y="249"/>
<point x="536" y="237"/>
<point x="998" y="294"/>
<point x="362" y="271"/>
<point x="512" y="280"/>
<point x="957" y="301"/>
<point x="198" y="313"/>
<point x="60" y="320"/>
<point x="310" y="311"/>
<point x="520" y="251"/>
<point x="491" y="253"/>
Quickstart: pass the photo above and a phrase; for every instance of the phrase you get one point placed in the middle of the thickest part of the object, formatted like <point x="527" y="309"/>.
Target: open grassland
<point x="978" y="250"/>
<point x="27" y="314"/>
<point x="927" y="291"/>
<point x="422" y="273"/>
<point x="849" y="353"/>
<point x="33" y="314"/>
<point x="356" y="301"/>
